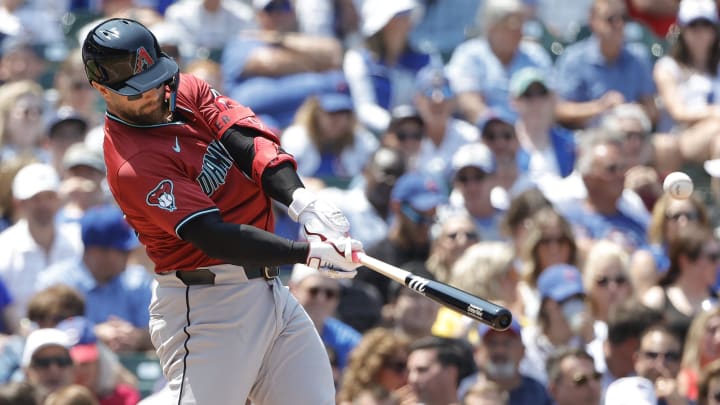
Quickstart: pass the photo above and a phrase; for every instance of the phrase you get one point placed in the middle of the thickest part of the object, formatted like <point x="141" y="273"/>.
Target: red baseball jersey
<point x="163" y="175"/>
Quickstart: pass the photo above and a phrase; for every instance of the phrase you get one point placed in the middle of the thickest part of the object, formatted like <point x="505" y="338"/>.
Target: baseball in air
<point x="678" y="185"/>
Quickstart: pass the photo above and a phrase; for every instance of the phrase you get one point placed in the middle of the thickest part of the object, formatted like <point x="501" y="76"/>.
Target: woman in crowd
<point x="668" y="216"/>
<point x="686" y="288"/>
<point x="455" y="234"/>
<point x="606" y="278"/>
<point x="379" y="360"/>
<point x="702" y="347"/>
<point x="381" y="71"/>
<point x="710" y="385"/>
<point x="22" y="127"/>
<point x="326" y="140"/>
<point x="549" y="240"/>
<point x="687" y="81"/>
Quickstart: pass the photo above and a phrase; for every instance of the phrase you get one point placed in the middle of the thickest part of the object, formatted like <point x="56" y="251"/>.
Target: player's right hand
<point x="336" y="258"/>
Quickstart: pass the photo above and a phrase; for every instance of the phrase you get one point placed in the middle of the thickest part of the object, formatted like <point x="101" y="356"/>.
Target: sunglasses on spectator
<point x="604" y="281"/>
<point x="690" y="216"/>
<point x="403" y="136"/>
<point x="329" y="293"/>
<point x="672" y="357"/>
<point x="537" y="93"/>
<point x="712" y="256"/>
<point x="397" y="366"/>
<point x="580" y="379"/>
<point x="494" y="135"/>
<point x="547" y="240"/>
<point x="466" y="178"/>
<point x="469" y="235"/>
<point x="46" y="362"/>
<point x="617" y="18"/>
<point x="416" y="217"/>
<point x="700" y="22"/>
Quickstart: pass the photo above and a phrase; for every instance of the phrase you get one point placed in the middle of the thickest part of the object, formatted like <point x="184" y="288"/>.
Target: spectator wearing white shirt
<point x="33" y="243"/>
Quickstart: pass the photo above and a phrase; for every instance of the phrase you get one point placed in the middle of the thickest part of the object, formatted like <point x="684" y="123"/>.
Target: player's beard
<point x="154" y="111"/>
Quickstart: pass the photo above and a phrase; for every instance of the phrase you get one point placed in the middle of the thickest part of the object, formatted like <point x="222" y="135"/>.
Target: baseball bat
<point x="493" y="315"/>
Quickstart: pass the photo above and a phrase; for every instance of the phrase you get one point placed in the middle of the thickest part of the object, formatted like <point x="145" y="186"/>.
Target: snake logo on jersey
<point x="215" y="166"/>
<point x="162" y="196"/>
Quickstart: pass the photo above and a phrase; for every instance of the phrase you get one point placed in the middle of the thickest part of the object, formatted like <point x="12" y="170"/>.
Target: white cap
<point x="474" y="154"/>
<point x="300" y="272"/>
<point x="33" y="179"/>
<point x="712" y="167"/>
<point x="41" y="338"/>
<point x="377" y="13"/>
<point x="691" y="10"/>
<point x="631" y="391"/>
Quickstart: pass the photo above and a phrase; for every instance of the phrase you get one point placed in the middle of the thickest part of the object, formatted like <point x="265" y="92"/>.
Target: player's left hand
<point x="336" y="258"/>
<point x="320" y="220"/>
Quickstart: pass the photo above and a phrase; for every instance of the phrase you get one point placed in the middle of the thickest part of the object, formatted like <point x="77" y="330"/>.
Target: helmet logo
<point x="143" y="60"/>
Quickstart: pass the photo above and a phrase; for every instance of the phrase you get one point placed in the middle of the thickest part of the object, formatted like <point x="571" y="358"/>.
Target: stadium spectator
<point x="454" y="234"/>
<point x="326" y="140"/>
<point x="274" y="69"/>
<point x="382" y="69"/>
<point x="701" y="348"/>
<point x="669" y="215"/>
<point x="405" y="133"/>
<point x="572" y="378"/>
<point x="710" y="384"/>
<point x="319" y="296"/>
<point x="481" y="67"/>
<point x="444" y="134"/>
<point x="594" y="71"/>
<point x="117" y="295"/>
<point x="22" y="128"/>
<point x="685" y="289"/>
<point x="658" y="360"/>
<point x="435" y="368"/>
<point x="46" y="361"/>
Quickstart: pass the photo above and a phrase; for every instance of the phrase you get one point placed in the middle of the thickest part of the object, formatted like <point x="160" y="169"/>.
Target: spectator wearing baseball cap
<point x="64" y="128"/>
<point x="83" y="171"/>
<point x="326" y="140"/>
<point x="320" y="295"/>
<point x="117" y="295"/>
<point x="381" y="70"/>
<point x="444" y="134"/>
<point x="480" y="68"/>
<point x="405" y="133"/>
<point x="498" y="355"/>
<point x="563" y="318"/>
<point x="413" y="202"/>
<point x="545" y="148"/>
<point x="96" y="366"/>
<point x="473" y="181"/>
<point x="46" y="360"/>
<point x="35" y="236"/>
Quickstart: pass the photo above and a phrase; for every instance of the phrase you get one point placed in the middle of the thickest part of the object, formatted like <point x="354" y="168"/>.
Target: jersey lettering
<point x="162" y="196"/>
<point x="215" y="166"/>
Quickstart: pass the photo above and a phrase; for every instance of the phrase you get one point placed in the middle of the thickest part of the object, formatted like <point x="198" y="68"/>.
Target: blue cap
<point x="432" y="81"/>
<point x="495" y="114"/>
<point x="514" y="328"/>
<point x="422" y="191"/>
<point x="335" y="102"/>
<point x="560" y="282"/>
<point x="105" y="226"/>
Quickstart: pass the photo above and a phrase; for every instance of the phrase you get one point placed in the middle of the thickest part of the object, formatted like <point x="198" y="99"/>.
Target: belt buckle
<point x="269" y="272"/>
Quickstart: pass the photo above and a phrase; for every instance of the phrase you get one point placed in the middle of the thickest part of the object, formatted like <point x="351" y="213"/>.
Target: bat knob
<point x="503" y="319"/>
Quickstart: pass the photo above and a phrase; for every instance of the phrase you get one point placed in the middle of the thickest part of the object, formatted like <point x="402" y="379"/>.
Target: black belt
<point x="207" y="277"/>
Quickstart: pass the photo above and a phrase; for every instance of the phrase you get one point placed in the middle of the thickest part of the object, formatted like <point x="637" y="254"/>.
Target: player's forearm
<point x="240" y="244"/>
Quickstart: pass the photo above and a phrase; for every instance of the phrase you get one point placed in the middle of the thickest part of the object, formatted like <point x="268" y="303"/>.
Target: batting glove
<point x="336" y="258"/>
<point x="320" y="220"/>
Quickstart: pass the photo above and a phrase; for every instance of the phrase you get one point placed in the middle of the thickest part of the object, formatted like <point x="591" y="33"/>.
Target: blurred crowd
<point x="515" y="149"/>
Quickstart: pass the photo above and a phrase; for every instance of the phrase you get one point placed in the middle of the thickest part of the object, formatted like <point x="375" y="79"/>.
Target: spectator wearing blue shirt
<point x="117" y="296"/>
<point x="480" y="68"/>
<point x="381" y="70"/>
<point x="546" y="149"/>
<point x="319" y="296"/>
<point x="275" y="69"/>
<point x="498" y="355"/>
<point x="602" y="71"/>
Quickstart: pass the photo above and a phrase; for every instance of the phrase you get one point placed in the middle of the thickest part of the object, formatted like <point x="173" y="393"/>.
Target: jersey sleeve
<point x="155" y="189"/>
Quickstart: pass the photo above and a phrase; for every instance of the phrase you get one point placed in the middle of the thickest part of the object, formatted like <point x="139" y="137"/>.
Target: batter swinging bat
<point x="495" y="316"/>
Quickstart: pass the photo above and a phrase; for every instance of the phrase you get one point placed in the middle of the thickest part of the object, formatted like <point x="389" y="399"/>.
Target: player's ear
<point x="102" y="89"/>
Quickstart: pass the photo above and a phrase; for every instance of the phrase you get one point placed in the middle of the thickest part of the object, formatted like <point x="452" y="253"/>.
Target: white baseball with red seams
<point x="679" y="185"/>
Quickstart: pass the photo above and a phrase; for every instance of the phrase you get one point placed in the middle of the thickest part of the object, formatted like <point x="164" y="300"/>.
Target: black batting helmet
<point x="125" y="56"/>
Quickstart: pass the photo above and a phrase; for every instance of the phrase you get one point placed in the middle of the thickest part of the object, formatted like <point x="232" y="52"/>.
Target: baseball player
<point x="194" y="173"/>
